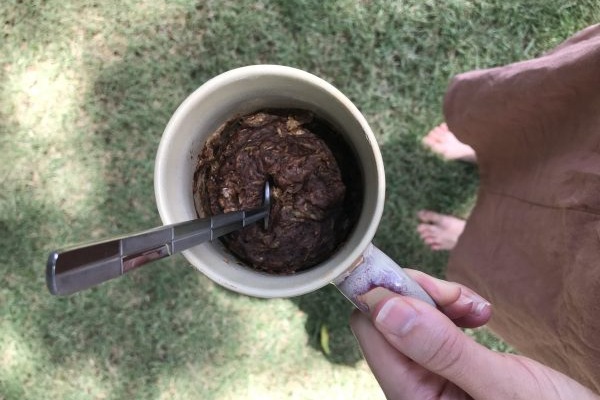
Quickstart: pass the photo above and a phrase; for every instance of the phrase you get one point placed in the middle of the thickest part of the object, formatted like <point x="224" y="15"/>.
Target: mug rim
<point x="326" y="275"/>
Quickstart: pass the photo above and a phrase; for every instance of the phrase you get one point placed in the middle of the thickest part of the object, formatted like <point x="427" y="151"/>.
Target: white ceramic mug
<point x="357" y="266"/>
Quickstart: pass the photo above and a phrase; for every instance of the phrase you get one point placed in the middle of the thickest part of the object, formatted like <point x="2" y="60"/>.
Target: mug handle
<point x="376" y="269"/>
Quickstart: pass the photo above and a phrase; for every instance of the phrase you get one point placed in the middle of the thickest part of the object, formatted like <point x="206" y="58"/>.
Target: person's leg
<point x="438" y="231"/>
<point x="443" y="142"/>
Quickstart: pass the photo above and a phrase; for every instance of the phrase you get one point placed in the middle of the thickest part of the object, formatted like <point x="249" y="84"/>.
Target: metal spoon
<point x="82" y="266"/>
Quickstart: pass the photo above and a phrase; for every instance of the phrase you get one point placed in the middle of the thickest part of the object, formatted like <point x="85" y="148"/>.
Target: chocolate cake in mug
<point x="314" y="195"/>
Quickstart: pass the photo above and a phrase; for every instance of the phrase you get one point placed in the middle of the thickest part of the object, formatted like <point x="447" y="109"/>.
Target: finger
<point x="442" y="292"/>
<point x="461" y="304"/>
<point x="429" y="338"/>
<point x="397" y="375"/>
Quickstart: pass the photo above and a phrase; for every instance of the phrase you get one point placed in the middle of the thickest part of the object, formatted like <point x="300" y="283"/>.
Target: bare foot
<point x="438" y="231"/>
<point x="443" y="142"/>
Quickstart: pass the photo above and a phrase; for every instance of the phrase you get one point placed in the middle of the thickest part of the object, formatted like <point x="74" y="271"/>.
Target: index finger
<point x="461" y="304"/>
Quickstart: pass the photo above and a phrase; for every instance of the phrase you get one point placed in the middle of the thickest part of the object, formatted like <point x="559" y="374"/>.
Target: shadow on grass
<point x="143" y="326"/>
<point x="328" y="309"/>
<point x="140" y="328"/>
<point x="123" y="335"/>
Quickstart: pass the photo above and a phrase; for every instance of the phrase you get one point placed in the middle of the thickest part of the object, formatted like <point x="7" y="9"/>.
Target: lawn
<point x="86" y="89"/>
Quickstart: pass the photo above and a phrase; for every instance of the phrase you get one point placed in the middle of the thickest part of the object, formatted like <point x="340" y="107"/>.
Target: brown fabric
<point x="532" y="243"/>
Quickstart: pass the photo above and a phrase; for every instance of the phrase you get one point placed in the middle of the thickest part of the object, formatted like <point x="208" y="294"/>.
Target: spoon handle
<point x="86" y="265"/>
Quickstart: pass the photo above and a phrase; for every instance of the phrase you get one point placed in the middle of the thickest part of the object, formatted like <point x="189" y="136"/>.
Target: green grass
<point x="86" y="90"/>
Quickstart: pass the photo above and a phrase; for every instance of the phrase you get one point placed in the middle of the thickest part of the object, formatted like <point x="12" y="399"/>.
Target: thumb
<point x="429" y="338"/>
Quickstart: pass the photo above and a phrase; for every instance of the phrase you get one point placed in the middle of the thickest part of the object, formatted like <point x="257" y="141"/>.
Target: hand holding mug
<point x="418" y="352"/>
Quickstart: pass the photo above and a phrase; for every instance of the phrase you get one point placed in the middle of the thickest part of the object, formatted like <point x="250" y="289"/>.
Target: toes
<point x="440" y="132"/>
<point x="439" y="231"/>
<point x="430" y="235"/>
<point x="427" y="216"/>
<point x="429" y="140"/>
<point x="424" y="228"/>
<point x="436" y="247"/>
<point x="441" y="128"/>
<point x="431" y="240"/>
<point x="442" y="141"/>
<point x="436" y="135"/>
<point x="428" y="231"/>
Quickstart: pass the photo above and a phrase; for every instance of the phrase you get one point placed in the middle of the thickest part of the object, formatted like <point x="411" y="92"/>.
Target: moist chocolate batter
<point x="313" y="206"/>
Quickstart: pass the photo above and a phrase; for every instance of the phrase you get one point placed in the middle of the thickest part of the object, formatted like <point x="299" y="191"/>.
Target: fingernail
<point x="465" y="302"/>
<point x="479" y="304"/>
<point x="396" y="316"/>
<point x="479" y="308"/>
